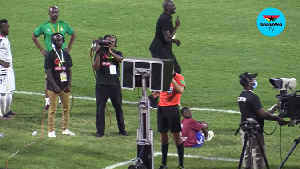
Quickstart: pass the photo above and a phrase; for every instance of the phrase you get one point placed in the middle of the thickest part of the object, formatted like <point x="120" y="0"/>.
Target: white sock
<point x="59" y="100"/>
<point x="46" y="101"/>
<point x="8" y="100"/>
<point x="2" y="95"/>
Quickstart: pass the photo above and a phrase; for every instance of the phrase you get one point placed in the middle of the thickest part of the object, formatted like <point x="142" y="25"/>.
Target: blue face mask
<point x="255" y="84"/>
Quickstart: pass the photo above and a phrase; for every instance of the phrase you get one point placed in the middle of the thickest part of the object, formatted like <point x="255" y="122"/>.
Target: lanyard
<point x="61" y="59"/>
<point x="53" y="28"/>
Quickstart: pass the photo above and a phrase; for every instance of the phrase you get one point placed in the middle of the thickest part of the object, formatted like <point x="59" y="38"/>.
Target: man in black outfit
<point x="250" y="107"/>
<point x="161" y="46"/>
<point x="106" y="63"/>
<point x="58" y="65"/>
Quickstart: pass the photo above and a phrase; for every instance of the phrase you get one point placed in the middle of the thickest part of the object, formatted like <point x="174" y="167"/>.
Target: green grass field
<point x="219" y="39"/>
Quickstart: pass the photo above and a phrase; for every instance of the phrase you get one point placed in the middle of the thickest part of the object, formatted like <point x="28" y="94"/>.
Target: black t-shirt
<point x="159" y="44"/>
<point x="107" y="75"/>
<point x="249" y="103"/>
<point x="58" y="69"/>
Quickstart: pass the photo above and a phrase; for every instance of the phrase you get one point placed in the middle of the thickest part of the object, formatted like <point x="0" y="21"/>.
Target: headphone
<point x="113" y="36"/>
<point x="244" y="80"/>
<point x="55" y="34"/>
<point x="247" y="79"/>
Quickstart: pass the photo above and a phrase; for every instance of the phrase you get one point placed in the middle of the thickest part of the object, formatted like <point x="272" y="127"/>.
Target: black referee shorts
<point x="168" y="118"/>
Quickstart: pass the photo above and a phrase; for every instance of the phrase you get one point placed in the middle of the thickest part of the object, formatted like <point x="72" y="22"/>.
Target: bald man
<point x="54" y="25"/>
<point x="161" y="46"/>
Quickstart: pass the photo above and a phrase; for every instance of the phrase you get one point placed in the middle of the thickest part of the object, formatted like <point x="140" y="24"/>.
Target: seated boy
<point x="192" y="131"/>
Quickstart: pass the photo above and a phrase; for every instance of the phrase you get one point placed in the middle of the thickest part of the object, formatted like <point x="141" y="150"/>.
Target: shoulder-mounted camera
<point x="101" y="45"/>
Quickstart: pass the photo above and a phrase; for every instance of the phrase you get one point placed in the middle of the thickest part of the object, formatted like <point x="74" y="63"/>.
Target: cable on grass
<point x="17" y="152"/>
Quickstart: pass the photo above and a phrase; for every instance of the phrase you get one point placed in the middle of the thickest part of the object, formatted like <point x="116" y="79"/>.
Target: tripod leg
<point x="292" y="149"/>
<point x="250" y="151"/>
<point x="243" y="150"/>
<point x="262" y="150"/>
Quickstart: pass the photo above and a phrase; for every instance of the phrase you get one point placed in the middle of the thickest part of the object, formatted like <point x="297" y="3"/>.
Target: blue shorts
<point x="199" y="139"/>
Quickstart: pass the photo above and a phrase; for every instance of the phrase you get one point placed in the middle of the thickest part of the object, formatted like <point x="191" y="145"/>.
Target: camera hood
<point x="283" y="83"/>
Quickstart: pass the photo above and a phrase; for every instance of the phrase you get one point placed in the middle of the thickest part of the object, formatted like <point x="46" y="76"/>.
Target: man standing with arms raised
<point x="48" y="29"/>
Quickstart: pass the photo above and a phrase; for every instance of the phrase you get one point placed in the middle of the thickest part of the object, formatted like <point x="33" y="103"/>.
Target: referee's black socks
<point x="164" y="153"/>
<point x="180" y="152"/>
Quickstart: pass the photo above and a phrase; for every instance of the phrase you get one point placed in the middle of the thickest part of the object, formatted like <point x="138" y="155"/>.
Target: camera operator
<point x="106" y="64"/>
<point x="250" y="107"/>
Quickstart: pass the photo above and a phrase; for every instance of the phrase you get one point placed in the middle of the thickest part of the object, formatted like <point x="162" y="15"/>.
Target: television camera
<point x="289" y="105"/>
<point x="101" y="45"/>
<point x="289" y="100"/>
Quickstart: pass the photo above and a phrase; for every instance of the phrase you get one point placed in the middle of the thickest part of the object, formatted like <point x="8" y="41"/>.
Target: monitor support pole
<point x="144" y="133"/>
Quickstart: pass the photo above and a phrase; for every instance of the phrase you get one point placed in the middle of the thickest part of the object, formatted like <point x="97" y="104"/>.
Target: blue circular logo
<point x="270" y="22"/>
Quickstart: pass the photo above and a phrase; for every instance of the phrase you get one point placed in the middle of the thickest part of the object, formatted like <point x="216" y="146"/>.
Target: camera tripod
<point x="249" y="134"/>
<point x="292" y="149"/>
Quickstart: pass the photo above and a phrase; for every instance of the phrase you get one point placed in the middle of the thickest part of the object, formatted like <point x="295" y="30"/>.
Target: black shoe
<point x="180" y="167"/>
<point x="99" y="135"/>
<point x="153" y="102"/>
<point x="11" y="113"/>
<point x="124" y="133"/>
<point x="46" y="107"/>
<point x="161" y="166"/>
<point x="154" y="105"/>
<point x="5" y="117"/>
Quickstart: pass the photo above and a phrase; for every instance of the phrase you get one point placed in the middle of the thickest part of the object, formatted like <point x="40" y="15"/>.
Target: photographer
<point x="106" y="63"/>
<point x="250" y="107"/>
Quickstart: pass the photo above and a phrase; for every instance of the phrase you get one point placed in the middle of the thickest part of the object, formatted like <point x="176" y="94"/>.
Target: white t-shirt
<point x="7" y="76"/>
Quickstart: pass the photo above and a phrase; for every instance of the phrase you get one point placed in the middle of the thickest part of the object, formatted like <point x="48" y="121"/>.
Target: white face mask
<point x="255" y="84"/>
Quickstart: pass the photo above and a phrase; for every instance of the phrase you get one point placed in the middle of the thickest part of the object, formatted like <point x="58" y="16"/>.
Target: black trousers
<point x="103" y="92"/>
<point x="177" y="67"/>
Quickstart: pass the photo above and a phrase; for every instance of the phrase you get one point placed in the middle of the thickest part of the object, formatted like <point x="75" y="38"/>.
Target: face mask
<point x="255" y="84"/>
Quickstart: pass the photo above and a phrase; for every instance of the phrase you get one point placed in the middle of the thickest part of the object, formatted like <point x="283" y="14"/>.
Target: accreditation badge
<point x="63" y="77"/>
<point x="112" y="69"/>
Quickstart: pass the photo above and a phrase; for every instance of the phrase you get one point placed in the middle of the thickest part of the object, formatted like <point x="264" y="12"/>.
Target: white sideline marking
<point x="203" y="157"/>
<point x="118" y="165"/>
<point x="218" y="110"/>
<point x="174" y="155"/>
<point x="129" y="102"/>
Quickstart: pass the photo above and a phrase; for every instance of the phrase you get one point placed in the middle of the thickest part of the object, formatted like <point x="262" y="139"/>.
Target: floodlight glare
<point x="283" y="83"/>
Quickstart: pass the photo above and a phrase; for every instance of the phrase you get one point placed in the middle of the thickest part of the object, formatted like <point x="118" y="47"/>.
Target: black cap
<point x="246" y="77"/>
